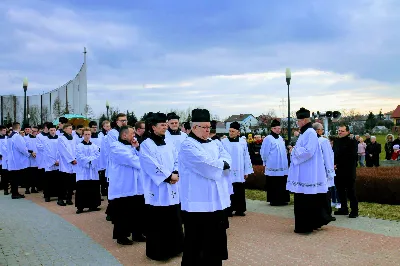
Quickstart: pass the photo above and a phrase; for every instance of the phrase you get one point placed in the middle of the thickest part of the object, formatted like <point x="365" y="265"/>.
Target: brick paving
<point x="264" y="237"/>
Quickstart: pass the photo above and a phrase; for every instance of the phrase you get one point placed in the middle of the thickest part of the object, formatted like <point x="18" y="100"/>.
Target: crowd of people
<point x="175" y="187"/>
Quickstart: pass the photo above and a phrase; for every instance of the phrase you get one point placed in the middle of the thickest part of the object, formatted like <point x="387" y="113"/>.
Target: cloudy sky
<point x="227" y="55"/>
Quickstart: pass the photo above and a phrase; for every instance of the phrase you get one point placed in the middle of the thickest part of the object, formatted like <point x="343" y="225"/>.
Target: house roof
<point x="237" y="118"/>
<point x="396" y="112"/>
<point x="388" y="113"/>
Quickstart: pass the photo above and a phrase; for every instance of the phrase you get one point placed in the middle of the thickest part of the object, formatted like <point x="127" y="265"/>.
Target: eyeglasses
<point x="94" y="127"/>
<point x="123" y="121"/>
<point x="143" y="128"/>
<point x="206" y="128"/>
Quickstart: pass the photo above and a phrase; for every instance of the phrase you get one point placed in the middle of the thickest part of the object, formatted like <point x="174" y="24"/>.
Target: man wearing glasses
<point x="140" y="128"/>
<point x="174" y="134"/>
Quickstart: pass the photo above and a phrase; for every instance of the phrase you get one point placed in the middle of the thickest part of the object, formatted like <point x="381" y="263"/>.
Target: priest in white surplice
<point x="126" y="188"/>
<point x="274" y="156"/>
<point x="159" y="162"/>
<point x="51" y="163"/>
<point x="329" y="159"/>
<point x="204" y="195"/>
<point x="241" y="167"/>
<point x="32" y="178"/>
<point x="174" y="133"/>
<point x="67" y="152"/>
<point x="41" y="138"/>
<point x="5" y="180"/>
<point x="87" y="177"/>
<point x="307" y="177"/>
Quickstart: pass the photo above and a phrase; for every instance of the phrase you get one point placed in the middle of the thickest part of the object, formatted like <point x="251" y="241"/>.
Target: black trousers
<point x="371" y="162"/>
<point x="31" y="178"/>
<point x="103" y="183"/>
<point x="41" y="178"/>
<point x="16" y="176"/>
<point x="67" y="186"/>
<point x="5" y="179"/>
<point x="238" y="198"/>
<point x="345" y="188"/>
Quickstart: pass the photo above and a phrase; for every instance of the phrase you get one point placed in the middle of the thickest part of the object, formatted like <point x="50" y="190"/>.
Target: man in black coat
<point x="372" y="153"/>
<point x="345" y="150"/>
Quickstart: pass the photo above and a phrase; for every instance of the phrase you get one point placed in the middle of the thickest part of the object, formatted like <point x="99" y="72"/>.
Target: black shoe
<point x="108" y="218"/>
<point x="332" y="218"/>
<point x="6" y="192"/>
<point x="18" y="196"/>
<point x="94" y="209"/>
<point x="102" y="200"/>
<point x="139" y="238"/>
<point x="69" y="202"/>
<point x="341" y="212"/>
<point x="47" y="199"/>
<point x="78" y="211"/>
<point x="27" y="192"/>
<point x="303" y="231"/>
<point x="353" y="215"/>
<point x="240" y="214"/>
<point x="34" y="191"/>
<point x="124" y="241"/>
<point x="61" y="203"/>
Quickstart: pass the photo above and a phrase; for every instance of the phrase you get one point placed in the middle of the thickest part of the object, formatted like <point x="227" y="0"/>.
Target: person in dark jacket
<point x="345" y="152"/>
<point x="372" y="153"/>
<point x="389" y="147"/>
<point x="254" y="150"/>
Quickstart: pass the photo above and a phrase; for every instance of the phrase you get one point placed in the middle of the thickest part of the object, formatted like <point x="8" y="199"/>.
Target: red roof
<point x="396" y="112"/>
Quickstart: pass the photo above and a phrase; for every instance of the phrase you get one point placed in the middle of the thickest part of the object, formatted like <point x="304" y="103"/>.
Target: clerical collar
<point x="68" y="136"/>
<point x="52" y="137"/>
<point x="61" y="131"/>
<point x="305" y="127"/>
<point x="12" y="134"/>
<point x="174" y="132"/>
<point x="215" y="137"/>
<point x="123" y="141"/>
<point x="158" y="140"/>
<point x="2" y="136"/>
<point x="276" y="136"/>
<point x="45" y="134"/>
<point x="32" y="136"/>
<point x="104" y="131"/>
<point x="318" y="135"/>
<point x="234" y="139"/>
<point x="95" y="135"/>
<point x="192" y="135"/>
<point x="86" y="143"/>
<point x="79" y="136"/>
<point x="117" y="128"/>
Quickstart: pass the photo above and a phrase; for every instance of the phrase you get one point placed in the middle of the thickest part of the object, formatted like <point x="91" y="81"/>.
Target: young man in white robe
<point x="67" y="152"/>
<point x="52" y="182"/>
<point x="204" y="194"/>
<point x="3" y="159"/>
<point x="307" y="177"/>
<point x="106" y="127"/>
<point x="87" y="177"/>
<point x="174" y="133"/>
<point x="61" y="121"/>
<point x="32" y="177"/>
<point x="126" y="188"/>
<point x="41" y="138"/>
<point x="329" y="159"/>
<point x="241" y="167"/>
<point x="159" y="162"/>
<point x="18" y="159"/>
<point x="274" y="157"/>
<point x="78" y="136"/>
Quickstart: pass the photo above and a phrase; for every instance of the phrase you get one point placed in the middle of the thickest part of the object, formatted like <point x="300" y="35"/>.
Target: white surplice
<point x="40" y="146"/>
<point x="241" y="163"/>
<point x="51" y="154"/>
<point x="3" y="152"/>
<point x="176" y="139"/>
<point x="123" y="171"/>
<point x="158" y="163"/>
<point x="17" y="152"/>
<point x="31" y="144"/>
<point x="227" y="157"/>
<point x="307" y="171"/>
<point x="67" y="151"/>
<point x="87" y="156"/>
<point x="274" y="156"/>
<point x="328" y="156"/>
<point x="203" y="185"/>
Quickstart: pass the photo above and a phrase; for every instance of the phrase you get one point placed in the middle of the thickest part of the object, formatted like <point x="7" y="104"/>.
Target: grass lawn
<point x="373" y="210"/>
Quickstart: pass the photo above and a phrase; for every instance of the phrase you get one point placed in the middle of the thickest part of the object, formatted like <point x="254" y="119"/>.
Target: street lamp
<point x="107" y="107"/>
<point x="288" y="78"/>
<point x="29" y="117"/>
<point x="25" y="86"/>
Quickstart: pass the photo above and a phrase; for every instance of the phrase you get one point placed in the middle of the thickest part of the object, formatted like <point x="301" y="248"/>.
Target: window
<point x="398" y="121"/>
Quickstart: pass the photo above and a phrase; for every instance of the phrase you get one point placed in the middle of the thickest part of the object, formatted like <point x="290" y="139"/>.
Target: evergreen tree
<point x="103" y="117"/>
<point x="380" y="115"/>
<point x="131" y="117"/>
<point x="371" y="121"/>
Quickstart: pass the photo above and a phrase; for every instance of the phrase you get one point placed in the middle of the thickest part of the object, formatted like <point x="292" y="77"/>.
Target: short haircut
<point x="139" y="124"/>
<point x="16" y="125"/>
<point x="79" y="126"/>
<point x="35" y="127"/>
<point x="66" y="125"/>
<point x="124" y="130"/>
<point x="346" y="126"/>
<point x="2" y="127"/>
<point x="105" y="122"/>
<point x="86" y="129"/>
<point x="92" y="123"/>
<point x="317" y="126"/>
<point x="373" y="137"/>
<point x="120" y="115"/>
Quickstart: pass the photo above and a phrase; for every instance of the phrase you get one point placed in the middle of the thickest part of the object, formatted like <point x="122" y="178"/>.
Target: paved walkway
<point x="264" y="237"/>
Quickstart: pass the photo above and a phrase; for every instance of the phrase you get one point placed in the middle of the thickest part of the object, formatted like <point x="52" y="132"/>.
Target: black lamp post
<point x="288" y="78"/>
<point x="25" y="86"/>
<point x="107" y="107"/>
<point x="29" y="117"/>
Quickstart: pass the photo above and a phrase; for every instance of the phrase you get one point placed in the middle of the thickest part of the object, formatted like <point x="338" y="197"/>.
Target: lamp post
<point x="288" y="78"/>
<point x="29" y="117"/>
<point x="25" y="86"/>
<point x="107" y="107"/>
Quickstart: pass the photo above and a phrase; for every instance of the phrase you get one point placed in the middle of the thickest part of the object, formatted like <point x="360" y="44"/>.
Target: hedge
<point x="378" y="185"/>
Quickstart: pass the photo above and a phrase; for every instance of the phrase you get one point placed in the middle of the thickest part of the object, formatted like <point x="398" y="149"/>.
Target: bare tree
<point x="45" y="114"/>
<point x="88" y="111"/>
<point x="8" y="108"/>
<point x="58" y="107"/>
<point x="34" y="113"/>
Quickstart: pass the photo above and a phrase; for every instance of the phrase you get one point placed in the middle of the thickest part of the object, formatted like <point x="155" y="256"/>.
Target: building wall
<point x="245" y="124"/>
<point x="41" y="107"/>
